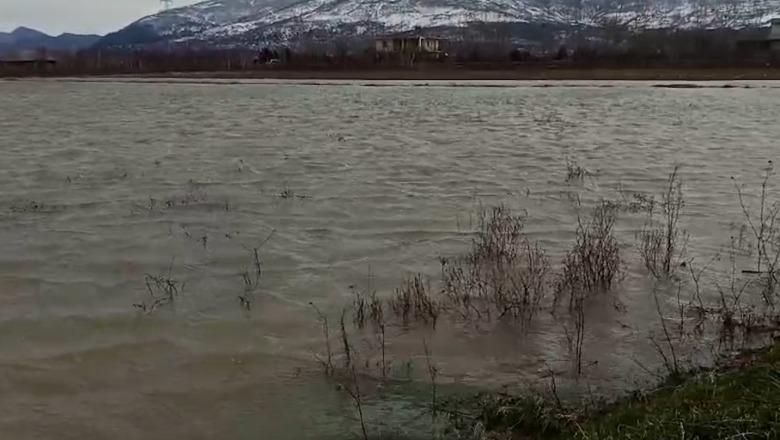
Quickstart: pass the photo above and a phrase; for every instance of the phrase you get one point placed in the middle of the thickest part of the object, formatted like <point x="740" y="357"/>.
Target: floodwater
<point x="339" y="185"/>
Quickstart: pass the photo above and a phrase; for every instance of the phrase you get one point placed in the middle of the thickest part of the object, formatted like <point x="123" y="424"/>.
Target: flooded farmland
<point x="338" y="187"/>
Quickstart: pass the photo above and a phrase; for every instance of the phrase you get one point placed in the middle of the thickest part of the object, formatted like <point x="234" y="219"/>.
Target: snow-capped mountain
<point x="260" y="21"/>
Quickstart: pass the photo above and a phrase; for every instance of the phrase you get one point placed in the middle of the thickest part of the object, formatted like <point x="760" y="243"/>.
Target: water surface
<point x="104" y="182"/>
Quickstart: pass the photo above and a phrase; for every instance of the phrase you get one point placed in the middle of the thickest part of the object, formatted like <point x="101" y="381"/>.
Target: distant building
<point x="27" y="63"/>
<point x="769" y="46"/>
<point x="774" y="35"/>
<point x="408" y="44"/>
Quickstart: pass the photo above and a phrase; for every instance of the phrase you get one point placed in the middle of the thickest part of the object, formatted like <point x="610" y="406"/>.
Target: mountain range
<point x="254" y="23"/>
<point x="25" y="39"/>
<point x="259" y="22"/>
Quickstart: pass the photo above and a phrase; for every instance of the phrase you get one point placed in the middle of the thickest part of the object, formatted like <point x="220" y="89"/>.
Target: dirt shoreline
<point x="442" y="74"/>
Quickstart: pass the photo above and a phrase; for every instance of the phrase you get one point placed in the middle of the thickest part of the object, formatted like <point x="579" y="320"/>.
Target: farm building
<point x="24" y="64"/>
<point x="774" y="35"/>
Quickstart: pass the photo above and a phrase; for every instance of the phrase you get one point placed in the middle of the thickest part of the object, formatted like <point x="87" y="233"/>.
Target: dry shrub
<point x="666" y="347"/>
<point x="575" y="332"/>
<point x="635" y="202"/>
<point x="345" y="341"/>
<point x="589" y="268"/>
<point x="367" y="308"/>
<point x="762" y="222"/>
<point x="327" y="363"/>
<point x="376" y="311"/>
<point x="737" y="310"/>
<point x="163" y="290"/>
<point x="504" y="273"/>
<point x="593" y="264"/>
<point x="414" y="301"/>
<point x="359" y="309"/>
<point x="351" y="379"/>
<point x="499" y="236"/>
<point x="251" y="277"/>
<point x="575" y="172"/>
<point x="660" y="245"/>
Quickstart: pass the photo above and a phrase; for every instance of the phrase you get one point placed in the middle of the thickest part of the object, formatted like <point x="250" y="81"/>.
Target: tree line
<point x="610" y="45"/>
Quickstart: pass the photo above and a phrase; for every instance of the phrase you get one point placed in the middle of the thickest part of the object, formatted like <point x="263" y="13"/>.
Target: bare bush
<point x="731" y="296"/>
<point x="528" y="282"/>
<point x="433" y="373"/>
<point x="376" y="311"/>
<point x="635" y="202"/>
<point x="593" y="263"/>
<point x="382" y="336"/>
<point x="287" y="193"/>
<point x="589" y="268"/>
<point x="737" y="310"/>
<point x="575" y="172"/>
<point x="353" y="390"/>
<point x="665" y="348"/>
<point x="352" y="380"/>
<point x="499" y="235"/>
<point x="370" y="309"/>
<point x="462" y="287"/>
<point x="345" y="341"/>
<point x="367" y="308"/>
<point x="359" y="308"/>
<point x="697" y="302"/>
<point x="762" y="222"/>
<point x="347" y="376"/>
<point x="575" y="332"/>
<point x="660" y="242"/>
<point x="163" y="290"/>
<point x="504" y="273"/>
<point x="327" y="363"/>
<point x="251" y="277"/>
<point x="414" y="301"/>
<point x="252" y="274"/>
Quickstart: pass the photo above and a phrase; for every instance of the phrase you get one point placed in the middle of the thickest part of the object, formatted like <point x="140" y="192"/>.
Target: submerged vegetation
<point x="762" y="222"/>
<point x="592" y="266"/>
<point x="163" y="291"/>
<point x="507" y="277"/>
<point x="660" y="241"/>
<point x="414" y="301"/>
<point x="504" y="274"/>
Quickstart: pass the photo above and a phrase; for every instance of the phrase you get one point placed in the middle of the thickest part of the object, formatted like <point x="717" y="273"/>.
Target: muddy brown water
<point x="104" y="182"/>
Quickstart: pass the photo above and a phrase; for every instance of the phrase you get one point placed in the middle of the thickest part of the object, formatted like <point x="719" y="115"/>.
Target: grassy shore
<point x="737" y="401"/>
<point x="741" y="401"/>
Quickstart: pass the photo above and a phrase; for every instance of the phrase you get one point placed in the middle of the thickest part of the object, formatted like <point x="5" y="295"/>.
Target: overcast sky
<point x="77" y="16"/>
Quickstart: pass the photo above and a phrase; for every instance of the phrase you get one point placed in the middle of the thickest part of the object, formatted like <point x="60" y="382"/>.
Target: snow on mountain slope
<point x="223" y="21"/>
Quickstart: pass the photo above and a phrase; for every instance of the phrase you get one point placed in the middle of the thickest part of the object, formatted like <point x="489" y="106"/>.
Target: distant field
<point x="456" y="73"/>
<point x="650" y="74"/>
